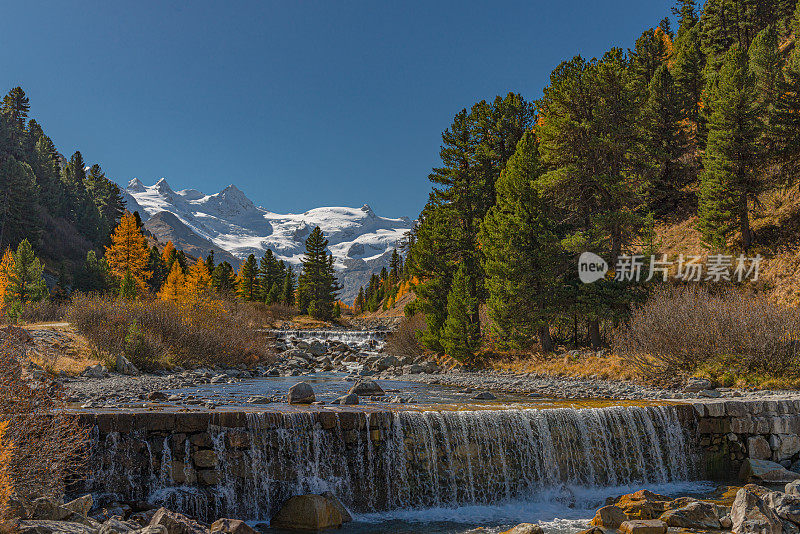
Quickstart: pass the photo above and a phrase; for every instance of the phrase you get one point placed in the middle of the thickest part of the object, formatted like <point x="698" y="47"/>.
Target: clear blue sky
<point x="300" y="104"/>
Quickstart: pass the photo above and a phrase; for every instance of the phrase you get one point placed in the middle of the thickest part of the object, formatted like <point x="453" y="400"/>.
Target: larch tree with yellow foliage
<point x="6" y="270"/>
<point x="198" y="282"/>
<point x="174" y="288"/>
<point x="128" y="253"/>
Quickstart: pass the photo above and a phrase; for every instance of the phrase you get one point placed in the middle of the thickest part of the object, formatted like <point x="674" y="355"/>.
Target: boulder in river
<point x="643" y="526"/>
<point x="764" y="471"/>
<point x="696" y="515"/>
<point x="609" y="517"/>
<point x="785" y="505"/>
<point x="231" y="526"/>
<point x="484" y="395"/>
<point x="307" y="512"/>
<point x="301" y="393"/>
<point x="346" y="517"/>
<point x="125" y="367"/>
<point x="750" y="514"/>
<point x="366" y="387"/>
<point x="793" y="488"/>
<point x="346" y="400"/>
<point x="175" y="523"/>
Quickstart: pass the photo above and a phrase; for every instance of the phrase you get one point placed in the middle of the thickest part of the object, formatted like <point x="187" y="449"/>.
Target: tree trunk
<point x="545" y="340"/>
<point x="594" y="334"/>
<point x="744" y="222"/>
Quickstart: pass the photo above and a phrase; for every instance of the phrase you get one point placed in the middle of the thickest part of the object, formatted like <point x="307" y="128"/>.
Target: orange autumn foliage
<point x="168" y="249"/>
<point x="6" y="451"/>
<point x="128" y="252"/>
<point x="6" y="267"/>
<point x="174" y="289"/>
<point x="198" y="282"/>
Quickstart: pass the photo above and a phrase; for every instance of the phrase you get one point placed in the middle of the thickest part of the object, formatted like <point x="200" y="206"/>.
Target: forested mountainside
<point x="63" y="207"/>
<point x="692" y="133"/>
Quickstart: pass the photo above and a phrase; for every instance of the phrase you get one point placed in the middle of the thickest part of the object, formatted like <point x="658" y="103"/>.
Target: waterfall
<point x="400" y="460"/>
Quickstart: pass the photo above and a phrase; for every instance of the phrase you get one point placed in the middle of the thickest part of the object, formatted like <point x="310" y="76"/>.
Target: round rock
<point x="301" y="393"/>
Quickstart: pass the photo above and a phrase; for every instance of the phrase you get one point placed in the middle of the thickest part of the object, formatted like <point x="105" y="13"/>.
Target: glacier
<point x="360" y="240"/>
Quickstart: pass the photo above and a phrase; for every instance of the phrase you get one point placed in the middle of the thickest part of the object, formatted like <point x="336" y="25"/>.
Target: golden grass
<point x="72" y="353"/>
<point x="609" y="366"/>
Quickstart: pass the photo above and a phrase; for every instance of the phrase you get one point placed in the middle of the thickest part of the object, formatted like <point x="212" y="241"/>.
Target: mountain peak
<point x="135" y="185"/>
<point x="366" y="209"/>
<point x="163" y="187"/>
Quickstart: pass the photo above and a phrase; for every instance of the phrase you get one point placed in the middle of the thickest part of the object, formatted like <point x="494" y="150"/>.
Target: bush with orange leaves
<point x="6" y="455"/>
<point x="43" y="449"/>
<point x="163" y="333"/>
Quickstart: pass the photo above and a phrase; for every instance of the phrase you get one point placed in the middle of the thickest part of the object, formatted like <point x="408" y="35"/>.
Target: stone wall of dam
<point x="246" y="464"/>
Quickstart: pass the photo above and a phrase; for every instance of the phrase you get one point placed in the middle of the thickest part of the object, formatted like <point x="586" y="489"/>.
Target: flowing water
<point x="436" y="471"/>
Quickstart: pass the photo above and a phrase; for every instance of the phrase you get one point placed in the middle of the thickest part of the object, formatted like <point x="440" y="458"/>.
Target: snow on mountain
<point x="360" y="240"/>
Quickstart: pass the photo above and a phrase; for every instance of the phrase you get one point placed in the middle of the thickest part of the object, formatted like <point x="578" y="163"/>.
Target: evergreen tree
<point x="587" y="131"/>
<point x="246" y="282"/>
<point x="460" y="335"/>
<point x="787" y="112"/>
<point x="129" y="253"/>
<point x="127" y="287"/>
<point x="317" y="285"/>
<point x="664" y="143"/>
<point x="729" y="181"/>
<point x="25" y="282"/>
<point x="287" y="293"/>
<point x="158" y="268"/>
<point x="395" y="266"/>
<point x="358" y="305"/>
<point x="93" y="276"/>
<point x="210" y="261"/>
<point x="223" y="278"/>
<point x="274" y="294"/>
<point x="523" y="258"/>
<point x="687" y="70"/>
<point x="19" y="212"/>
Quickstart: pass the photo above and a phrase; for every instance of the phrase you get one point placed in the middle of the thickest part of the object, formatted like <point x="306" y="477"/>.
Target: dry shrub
<point x="46" y="311"/>
<point x="49" y="447"/>
<point x="6" y="455"/>
<point x="403" y="340"/>
<point x="155" y="334"/>
<point x="680" y="329"/>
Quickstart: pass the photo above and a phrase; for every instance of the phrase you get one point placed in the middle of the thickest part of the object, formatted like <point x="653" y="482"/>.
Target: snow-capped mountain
<point x="361" y="241"/>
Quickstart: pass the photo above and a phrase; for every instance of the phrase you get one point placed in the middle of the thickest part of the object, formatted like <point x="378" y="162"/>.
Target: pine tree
<point x="394" y="265"/>
<point x="198" y="282"/>
<point x="19" y="211"/>
<point x="688" y="70"/>
<point x="246" y="283"/>
<point x="158" y="268"/>
<point x="127" y="287"/>
<point x="174" y="289"/>
<point x="93" y="276"/>
<point x="317" y="285"/>
<point x="460" y="335"/>
<point x="358" y="305"/>
<point x="729" y="181"/>
<point x="223" y="278"/>
<point x="129" y="253"/>
<point x="210" y="261"/>
<point x="663" y="143"/>
<point x="274" y="294"/>
<point x="287" y="292"/>
<point x="523" y="258"/>
<point x="26" y="281"/>
<point x="787" y="112"/>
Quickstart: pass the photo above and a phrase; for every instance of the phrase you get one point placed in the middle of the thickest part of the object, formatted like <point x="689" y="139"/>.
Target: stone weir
<point x="245" y="464"/>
